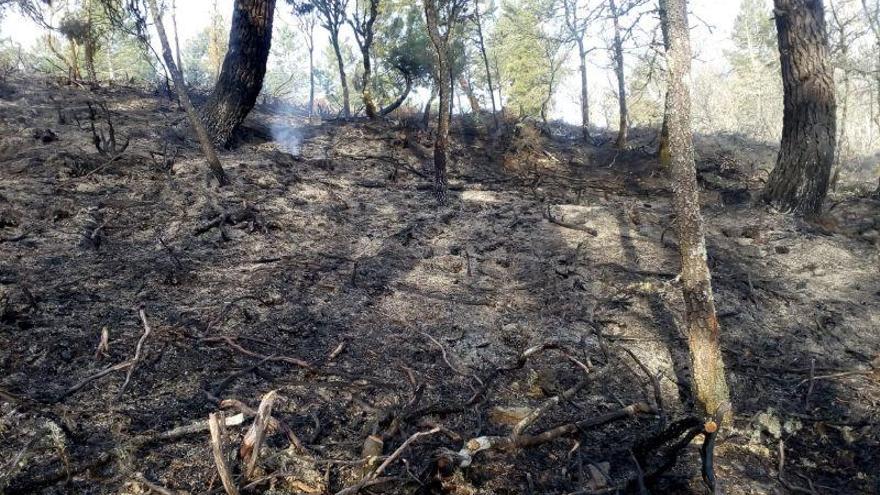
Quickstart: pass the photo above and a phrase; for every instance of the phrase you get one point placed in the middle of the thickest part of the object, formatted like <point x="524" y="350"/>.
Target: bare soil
<point x="326" y="272"/>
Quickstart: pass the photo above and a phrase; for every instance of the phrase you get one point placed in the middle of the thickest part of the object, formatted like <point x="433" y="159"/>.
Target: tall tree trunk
<point x="201" y="131"/>
<point x="663" y="147"/>
<point x="621" y="81"/>
<point x="585" y="95"/>
<point x="366" y="94"/>
<point x="90" y="45"/>
<point x="311" y="79"/>
<point x="444" y="86"/>
<point x="343" y="79"/>
<point x="74" y="62"/>
<point x="703" y="332"/>
<point x="469" y="92"/>
<point x="799" y="181"/>
<point x="176" y="36"/>
<point x="485" y="56"/>
<point x="244" y="66"/>
<point x="89" y="59"/>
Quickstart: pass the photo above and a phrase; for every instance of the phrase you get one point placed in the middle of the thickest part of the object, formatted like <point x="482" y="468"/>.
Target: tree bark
<point x="703" y="332"/>
<point x="244" y="67"/>
<point x="799" y="182"/>
<point x="621" y="80"/>
<point x="201" y="131"/>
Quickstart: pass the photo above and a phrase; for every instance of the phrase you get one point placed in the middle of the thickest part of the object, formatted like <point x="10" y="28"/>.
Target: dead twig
<point x="448" y="363"/>
<point x="272" y="425"/>
<point x="391" y="458"/>
<point x="781" y="474"/>
<point x="218" y="438"/>
<point x="253" y="440"/>
<point x="152" y="486"/>
<point x="137" y="352"/>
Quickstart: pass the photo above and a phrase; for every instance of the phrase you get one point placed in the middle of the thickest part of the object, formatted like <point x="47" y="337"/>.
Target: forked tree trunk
<point x="363" y="31"/>
<point x="703" y="332"/>
<point x="194" y="120"/>
<point x="485" y="56"/>
<point x="244" y="66"/>
<point x="621" y="78"/>
<point x="799" y="181"/>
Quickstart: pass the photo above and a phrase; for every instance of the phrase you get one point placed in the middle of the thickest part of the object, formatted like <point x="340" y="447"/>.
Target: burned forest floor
<point x="135" y="300"/>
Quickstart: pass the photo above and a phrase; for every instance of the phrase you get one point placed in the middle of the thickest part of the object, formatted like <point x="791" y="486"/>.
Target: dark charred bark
<point x="192" y="115"/>
<point x="244" y="66"/>
<point x="703" y="332"/>
<point x="403" y="95"/>
<point x="799" y="182"/>
<point x="621" y="80"/>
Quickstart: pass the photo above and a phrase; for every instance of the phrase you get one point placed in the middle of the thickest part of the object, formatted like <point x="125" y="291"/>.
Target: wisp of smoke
<point x="287" y="137"/>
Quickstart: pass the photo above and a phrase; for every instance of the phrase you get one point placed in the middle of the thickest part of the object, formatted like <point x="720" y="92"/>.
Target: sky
<point x="708" y="45"/>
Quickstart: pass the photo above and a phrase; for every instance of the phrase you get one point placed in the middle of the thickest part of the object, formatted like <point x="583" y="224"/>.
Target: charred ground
<point x="326" y="272"/>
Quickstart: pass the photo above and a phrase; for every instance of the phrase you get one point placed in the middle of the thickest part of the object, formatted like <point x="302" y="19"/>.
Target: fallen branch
<point x="515" y="442"/>
<point x="137" y="352"/>
<point x="549" y="216"/>
<point x="234" y="345"/>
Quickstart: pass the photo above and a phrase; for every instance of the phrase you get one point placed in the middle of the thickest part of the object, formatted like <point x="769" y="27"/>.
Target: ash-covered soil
<point x="327" y="273"/>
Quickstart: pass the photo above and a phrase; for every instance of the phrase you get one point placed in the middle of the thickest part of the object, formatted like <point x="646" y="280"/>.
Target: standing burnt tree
<point x="332" y="14"/>
<point x="201" y="132"/>
<point x="799" y="181"/>
<point x="577" y="20"/>
<point x="441" y="17"/>
<point x="362" y="21"/>
<point x="617" y="57"/>
<point x="241" y="77"/>
<point x="307" y="20"/>
<point x="703" y="331"/>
